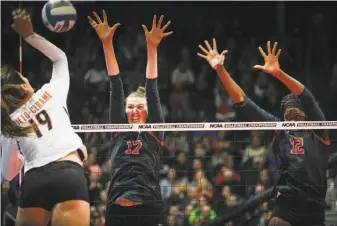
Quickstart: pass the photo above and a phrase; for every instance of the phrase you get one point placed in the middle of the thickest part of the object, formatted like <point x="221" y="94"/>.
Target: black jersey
<point x="135" y="155"/>
<point x="303" y="161"/>
<point x="301" y="155"/>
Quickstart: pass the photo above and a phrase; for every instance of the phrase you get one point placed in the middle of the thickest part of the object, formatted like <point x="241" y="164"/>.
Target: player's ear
<point x="24" y="87"/>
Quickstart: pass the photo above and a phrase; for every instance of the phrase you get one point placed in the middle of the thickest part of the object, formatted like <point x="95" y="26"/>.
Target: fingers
<point x="145" y="29"/>
<point x="154" y="21"/>
<point x="92" y="22"/>
<point x="168" y="33"/>
<point x="160" y="21"/>
<point x="166" y="25"/>
<point x="208" y="45"/>
<point x="21" y="14"/>
<point x="224" y="52"/>
<point x="202" y="56"/>
<point x="274" y="49"/>
<point x="259" y="67"/>
<point x="268" y="48"/>
<point x="262" y="52"/>
<point x="97" y="17"/>
<point x="115" y="26"/>
<point x="105" y="18"/>
<point x="203" y="49"/>
<point x="214" y="44"/>
<point x="278" y="53"/>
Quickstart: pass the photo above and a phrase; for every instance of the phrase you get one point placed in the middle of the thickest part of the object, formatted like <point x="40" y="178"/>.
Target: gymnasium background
<point x="190" y="92"/>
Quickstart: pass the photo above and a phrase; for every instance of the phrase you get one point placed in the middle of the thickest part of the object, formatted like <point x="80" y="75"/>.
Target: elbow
<point x="61" y="58"/>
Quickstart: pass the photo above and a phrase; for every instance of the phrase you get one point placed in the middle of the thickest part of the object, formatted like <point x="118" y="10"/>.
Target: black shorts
<point x="140" y="215"/>
<point x="53" y="183"/>
<point x="299" y="212"/>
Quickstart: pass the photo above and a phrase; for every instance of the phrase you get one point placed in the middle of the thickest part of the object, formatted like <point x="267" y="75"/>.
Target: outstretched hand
<point x="22" y="23"/>
<point x="271" y="63"/>
<point x="212" y="55"/>
<point x="103" y="30"/>
<point x="156" y="34"/>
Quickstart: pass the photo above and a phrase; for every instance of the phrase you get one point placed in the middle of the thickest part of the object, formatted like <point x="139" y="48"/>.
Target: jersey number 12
<point x="43" y="119"/>
<point x="297" y="146"/>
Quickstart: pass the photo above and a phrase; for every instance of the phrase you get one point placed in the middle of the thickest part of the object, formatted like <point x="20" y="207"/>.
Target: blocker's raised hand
<point x="212" y="55"/>
<point x="103" y="30"/>
<point x="271" y="62"/>
<point x="156" y="34"/>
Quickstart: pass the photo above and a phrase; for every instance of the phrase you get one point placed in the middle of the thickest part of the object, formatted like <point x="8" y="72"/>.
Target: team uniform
<point x="302" y="159"/>
<point x="136" y="163"/>
<point x="48" y="181"/>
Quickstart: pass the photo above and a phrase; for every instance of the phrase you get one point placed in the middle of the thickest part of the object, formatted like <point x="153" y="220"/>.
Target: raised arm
<point x="60" y="76"/>
<point x="153" y="38"/>
<point x="242" y="103"/>
<point x="117" y="99"/>
<point x="272" y="66"/>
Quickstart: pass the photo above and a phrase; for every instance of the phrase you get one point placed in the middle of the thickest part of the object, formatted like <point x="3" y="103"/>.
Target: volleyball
<point x="59" y="15"/>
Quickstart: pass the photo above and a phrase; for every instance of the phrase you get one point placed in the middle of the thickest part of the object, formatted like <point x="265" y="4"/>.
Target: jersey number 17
<point x="42" y="118"/>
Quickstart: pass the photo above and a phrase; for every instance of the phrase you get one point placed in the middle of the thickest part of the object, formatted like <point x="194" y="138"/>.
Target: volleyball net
<point x="228" y="182"/>
<point x="307" y="125"/>
<point x="224" y="173"/>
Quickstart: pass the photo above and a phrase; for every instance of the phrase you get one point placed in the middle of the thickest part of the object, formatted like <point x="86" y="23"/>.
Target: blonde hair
<point x="140" y="92"/>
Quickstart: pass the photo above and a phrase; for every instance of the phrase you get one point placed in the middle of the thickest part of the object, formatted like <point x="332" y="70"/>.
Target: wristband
<point x="218" y="60"/>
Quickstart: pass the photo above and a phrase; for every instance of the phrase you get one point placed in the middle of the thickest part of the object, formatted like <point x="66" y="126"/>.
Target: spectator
<point x="202" y="215"/>
<point x="168" y="184"/>
<point x="182" y="75"/>
<point x="255" y="152"/>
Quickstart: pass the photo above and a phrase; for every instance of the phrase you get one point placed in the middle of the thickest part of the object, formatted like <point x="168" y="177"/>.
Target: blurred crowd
<point x="204" y="174"/>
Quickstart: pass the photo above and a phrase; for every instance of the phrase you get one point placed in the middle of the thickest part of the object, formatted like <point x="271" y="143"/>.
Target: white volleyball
<point x="59" y="15"/>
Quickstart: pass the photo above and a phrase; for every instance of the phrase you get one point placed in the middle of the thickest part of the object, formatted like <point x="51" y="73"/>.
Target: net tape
<point x="307" y="125"/>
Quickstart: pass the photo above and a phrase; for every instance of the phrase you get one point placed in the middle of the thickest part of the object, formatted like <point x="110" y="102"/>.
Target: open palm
<point x="212" y="55"/>
<point x="271" y="63"/>
<point x="156" y="34"/>
<point x="103" y="30"/>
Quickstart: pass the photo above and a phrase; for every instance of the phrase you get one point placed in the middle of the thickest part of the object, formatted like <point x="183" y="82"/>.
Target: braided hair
<point x="291" y="101"/>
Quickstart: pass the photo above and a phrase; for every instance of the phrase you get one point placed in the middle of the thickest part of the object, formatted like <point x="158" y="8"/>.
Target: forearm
<point x="152" y="95"/>
<point x="309" y="102"/>
<point x="152" y="62"/>
<point x="54" y="53"/>
<point x="117" y="100"/>
<point x="250" y="111"/>
<point x="110" y="59"/>
<point x="293" y="85"/>
<point x="230" y="85"/>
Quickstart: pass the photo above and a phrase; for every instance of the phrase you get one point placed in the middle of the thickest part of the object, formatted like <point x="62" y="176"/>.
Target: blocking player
<point x="300" y="154"/>
<point x="53" y="154"/>
<point x="134" y="193"/>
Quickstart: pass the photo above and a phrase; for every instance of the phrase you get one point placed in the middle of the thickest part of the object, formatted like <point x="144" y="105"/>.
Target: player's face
<point x="136" y="110"/>
<point x="294" y="114"/>
<point x="26" y="85"/>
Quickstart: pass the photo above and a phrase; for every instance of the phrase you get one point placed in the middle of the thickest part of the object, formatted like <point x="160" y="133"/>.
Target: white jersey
<point x="11" y="160"/>
<point x="46" y="110"/>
